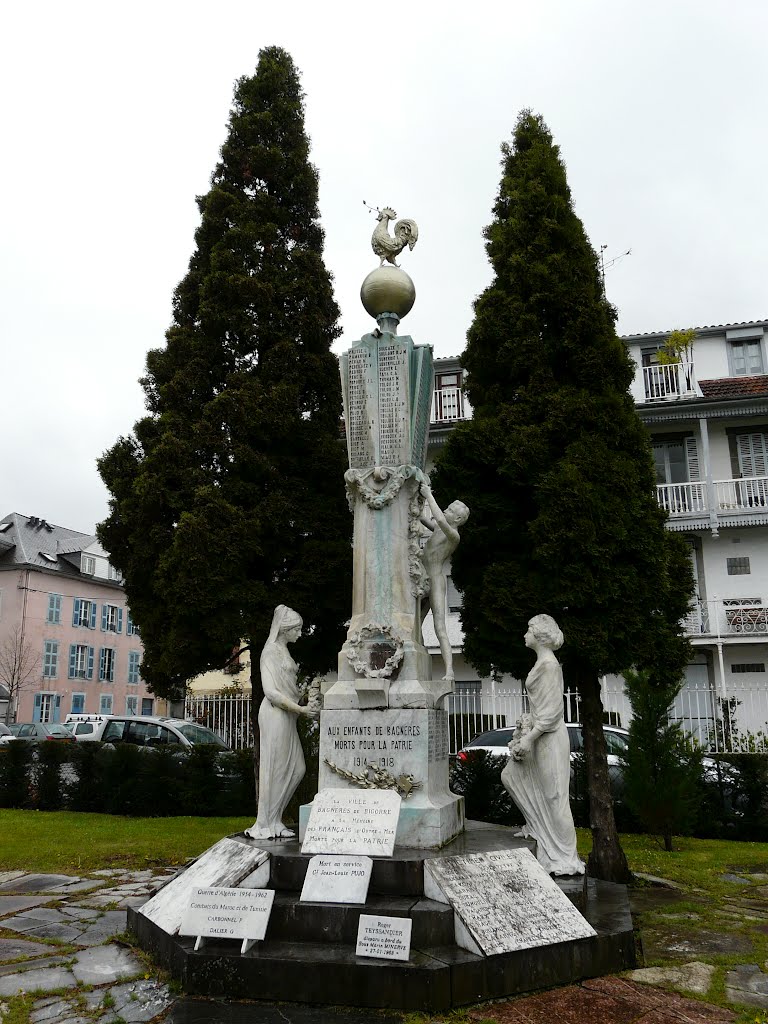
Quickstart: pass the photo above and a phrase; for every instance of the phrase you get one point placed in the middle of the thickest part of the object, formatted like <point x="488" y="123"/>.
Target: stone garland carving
<point x="420" y="582"/>
<point x="379" y="779"/>
<point x="379" y="486"/>
<point x="355" y="646"/>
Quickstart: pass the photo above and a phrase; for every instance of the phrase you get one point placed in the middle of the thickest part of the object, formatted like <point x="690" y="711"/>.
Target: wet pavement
<point x="61" y="939"/>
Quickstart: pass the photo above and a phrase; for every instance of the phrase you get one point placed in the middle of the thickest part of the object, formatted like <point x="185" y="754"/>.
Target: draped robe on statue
<point x="281" y="764"/>
<point x="539" y="782"/>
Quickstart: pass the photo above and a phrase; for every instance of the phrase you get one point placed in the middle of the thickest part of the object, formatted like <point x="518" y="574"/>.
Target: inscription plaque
<point x="503" y="900"/>
<point x="353" y="821"/>
<point x="331" y="879"/>
<point x="388" y="938"/>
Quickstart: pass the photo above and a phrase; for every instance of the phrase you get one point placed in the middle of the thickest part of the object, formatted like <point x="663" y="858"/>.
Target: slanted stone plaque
<point x="360" y="821"/>
<point x="226" y="863"/>
<point x="388" y="938"/>
<point x="503" y="901"/>
<point x="337" y="879"/>
<point x="228" y="914"/>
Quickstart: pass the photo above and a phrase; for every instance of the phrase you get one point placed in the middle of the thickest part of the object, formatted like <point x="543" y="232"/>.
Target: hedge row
<point x="126" y="779"/>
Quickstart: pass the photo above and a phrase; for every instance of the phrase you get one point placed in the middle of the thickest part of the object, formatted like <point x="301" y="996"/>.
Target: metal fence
<point x="736" y="721"/>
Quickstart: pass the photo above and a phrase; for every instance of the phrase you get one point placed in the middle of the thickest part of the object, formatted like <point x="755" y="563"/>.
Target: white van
<point x="85" y="727"/>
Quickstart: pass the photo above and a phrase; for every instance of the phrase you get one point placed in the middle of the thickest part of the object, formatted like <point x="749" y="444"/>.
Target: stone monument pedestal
<point x="411" y="747"/>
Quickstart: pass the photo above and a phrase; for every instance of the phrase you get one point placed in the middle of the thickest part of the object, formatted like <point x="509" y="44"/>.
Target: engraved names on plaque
<point x="360" y="364"/>
<point x="393" y="405"/>
<point x="360" y="821"/>
<point x="334" y="879"/>
<point x="503" y="900"/>
<point x="388" y="938"/>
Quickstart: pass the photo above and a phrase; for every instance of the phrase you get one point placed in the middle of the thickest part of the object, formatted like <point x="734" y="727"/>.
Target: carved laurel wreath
<point x="373" y="631"/>
<point x="379" y="486"/>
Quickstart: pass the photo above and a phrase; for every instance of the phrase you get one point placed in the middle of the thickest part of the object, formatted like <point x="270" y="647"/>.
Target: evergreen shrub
<point x="49" y="788"/>
<point x="16" y="774"/>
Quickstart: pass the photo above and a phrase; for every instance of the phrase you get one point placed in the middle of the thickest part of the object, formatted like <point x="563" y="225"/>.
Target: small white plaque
<point x="388" y="938"/>
<point x="228" y="913"/>
<point x="337" y="879"/>
<point x="353" y="821"/>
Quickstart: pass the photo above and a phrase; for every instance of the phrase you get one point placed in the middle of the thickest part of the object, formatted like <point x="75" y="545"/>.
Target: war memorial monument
<point x="387" y="897"/>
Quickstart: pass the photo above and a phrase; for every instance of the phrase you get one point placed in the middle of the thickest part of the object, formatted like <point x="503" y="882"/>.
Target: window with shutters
<point x="105" y="704"/>
<point x="78" y="703"/>
<point x="80" y="661"/>
<point x="107" y="664"/>
<point x="50" y="659"/>
<point x="752" y="455"/>
<point x="54" y="609"/>
<point x="134" y="658"/>
<point x="745" y="357"/>
<point x="84" y="613"/>
<point x="678" y="475"/>
<point x="111" y="618"/>
<point x="131" y="705"/>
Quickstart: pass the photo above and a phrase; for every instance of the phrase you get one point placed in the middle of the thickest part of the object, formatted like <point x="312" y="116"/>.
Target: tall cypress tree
<point x="228" y="497"/>
<point x="557" y="469"/>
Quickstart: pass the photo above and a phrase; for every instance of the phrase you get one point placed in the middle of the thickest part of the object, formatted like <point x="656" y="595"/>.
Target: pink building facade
<point x="62" y="605"/>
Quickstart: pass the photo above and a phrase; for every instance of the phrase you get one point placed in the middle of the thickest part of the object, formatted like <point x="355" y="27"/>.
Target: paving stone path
<point x="60" y="941"/>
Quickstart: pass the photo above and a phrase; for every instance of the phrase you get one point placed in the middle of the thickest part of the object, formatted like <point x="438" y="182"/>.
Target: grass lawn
<point x="67" y="842"/>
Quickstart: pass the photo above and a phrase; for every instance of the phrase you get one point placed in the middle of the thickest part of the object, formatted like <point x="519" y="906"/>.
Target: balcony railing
<point x="449" y="404"/>
<point x="729" y="617"/>
<point x="682" y="499"/>
<point x="749" y="492"/>
<point x="664" y="381"/>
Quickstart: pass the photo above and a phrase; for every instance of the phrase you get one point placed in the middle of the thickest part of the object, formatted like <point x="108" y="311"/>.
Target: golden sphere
<point x="388" y="290"/>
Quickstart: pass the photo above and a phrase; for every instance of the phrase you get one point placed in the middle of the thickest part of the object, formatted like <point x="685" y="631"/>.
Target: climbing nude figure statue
<point x="436" y="556"/>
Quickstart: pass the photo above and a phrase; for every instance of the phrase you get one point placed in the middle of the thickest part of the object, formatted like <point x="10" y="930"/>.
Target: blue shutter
<point x="119" y="620"/>
<point x="113" y="659"/>
<point x="129" y="624"/>
<point x="37" y="714"/>
<point x="57" y="708"/>
<point x="102" y="660"/>
<point x="78" y="703"/>
<point x="93" y="615"/>
<point x="72" y="660"/>
<point x="76" y="612"/>
<point x="104" y="614"/>
<point x="90" y="663"/>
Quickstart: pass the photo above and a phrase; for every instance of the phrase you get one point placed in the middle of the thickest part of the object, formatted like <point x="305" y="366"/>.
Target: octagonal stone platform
<point x="309" y="956"/>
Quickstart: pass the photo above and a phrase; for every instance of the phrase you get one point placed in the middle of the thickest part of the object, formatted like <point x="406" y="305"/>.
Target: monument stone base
<point x="309" y="955"/>
<point x="411" y="746"/>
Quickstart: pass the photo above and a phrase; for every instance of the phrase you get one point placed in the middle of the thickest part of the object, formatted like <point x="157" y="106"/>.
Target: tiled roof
<point x="30" y="536"/>
<point x="735" y="387"/>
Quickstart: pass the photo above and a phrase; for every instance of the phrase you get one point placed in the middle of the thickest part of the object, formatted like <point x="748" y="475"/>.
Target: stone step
<point x="337" y="922"/>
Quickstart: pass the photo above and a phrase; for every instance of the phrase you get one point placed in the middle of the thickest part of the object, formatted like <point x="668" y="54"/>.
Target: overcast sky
<point x="112" y="116"/>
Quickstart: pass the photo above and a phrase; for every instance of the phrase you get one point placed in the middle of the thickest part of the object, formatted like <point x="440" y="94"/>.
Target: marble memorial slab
<point x="337" y="879"/>
<point x="226" y="863"/>
<point x="388" y="938"/>
<point x="360" y="821"/>
<point x="223" y="913"/>
<point x="503" y="901"/>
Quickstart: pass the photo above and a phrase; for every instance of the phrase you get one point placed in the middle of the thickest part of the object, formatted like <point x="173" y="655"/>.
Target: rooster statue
<point x="382" y="243"/>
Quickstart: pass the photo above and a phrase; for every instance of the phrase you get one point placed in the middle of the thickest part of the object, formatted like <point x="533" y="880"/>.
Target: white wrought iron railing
<point x="730" y="720"/>
<point x="663" y="381"/>
<point x="449" y="404"/>
<point x="732" y="616"/>
<point x="682" y="499"/>
<point x="744" y="494"/>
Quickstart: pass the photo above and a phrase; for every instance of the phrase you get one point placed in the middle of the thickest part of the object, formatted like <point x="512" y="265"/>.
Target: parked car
<point x="6" y="736"/>
<point x="84" y="726"/>
<point x="497" y="742"/>
<point x="37" y="731"/>
<point x="153" y="731"/>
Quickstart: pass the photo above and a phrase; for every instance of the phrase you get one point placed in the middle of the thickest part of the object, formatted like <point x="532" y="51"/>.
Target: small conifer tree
<point x="662" y="769"/>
